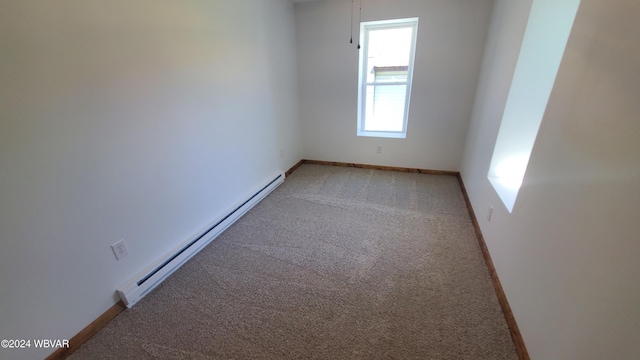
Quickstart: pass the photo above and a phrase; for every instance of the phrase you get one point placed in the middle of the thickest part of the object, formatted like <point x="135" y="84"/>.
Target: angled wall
<point x="567" y="256"/>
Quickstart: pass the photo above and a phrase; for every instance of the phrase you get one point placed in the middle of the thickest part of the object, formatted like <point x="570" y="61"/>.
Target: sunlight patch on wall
<point x="543" y="46"/>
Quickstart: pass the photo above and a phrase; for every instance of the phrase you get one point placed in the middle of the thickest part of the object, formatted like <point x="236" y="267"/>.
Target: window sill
<point x="383" y="134"/>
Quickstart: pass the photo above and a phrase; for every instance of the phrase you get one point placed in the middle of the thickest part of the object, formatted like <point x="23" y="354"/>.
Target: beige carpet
<point x="337" y="263"/>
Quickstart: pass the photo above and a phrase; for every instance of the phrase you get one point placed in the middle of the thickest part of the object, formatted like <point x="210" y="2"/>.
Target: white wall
<point x="141" y="121"/>
<point x="568" y="255"/>
<point x="283" y="78"/>
<point x="449" y="51"/>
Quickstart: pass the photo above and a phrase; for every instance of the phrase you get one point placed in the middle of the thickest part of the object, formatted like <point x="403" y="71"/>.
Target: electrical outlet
<point x="489" y="213"/>
<point x="119" y="249"/>
<point x="379" y="149"/>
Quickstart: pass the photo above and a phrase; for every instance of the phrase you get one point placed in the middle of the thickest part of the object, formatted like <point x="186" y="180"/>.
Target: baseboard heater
<point x="154" y="274"/>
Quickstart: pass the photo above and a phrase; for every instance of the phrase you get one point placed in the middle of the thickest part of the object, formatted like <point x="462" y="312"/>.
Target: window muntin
<point x="386" y="70"/>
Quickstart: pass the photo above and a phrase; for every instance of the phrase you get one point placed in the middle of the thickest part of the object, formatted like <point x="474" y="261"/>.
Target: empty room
<point x="320" y="179"/>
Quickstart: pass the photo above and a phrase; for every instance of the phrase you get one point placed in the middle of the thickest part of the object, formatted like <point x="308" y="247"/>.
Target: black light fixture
<point x="351" y="40"/>
<point x="359" y="20"/>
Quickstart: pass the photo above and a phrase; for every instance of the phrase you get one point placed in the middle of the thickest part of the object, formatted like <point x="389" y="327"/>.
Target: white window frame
<point x="365" y="27"/>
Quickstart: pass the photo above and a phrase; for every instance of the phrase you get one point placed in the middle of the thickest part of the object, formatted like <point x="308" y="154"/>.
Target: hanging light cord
<point x="351" y="40"/>
<point x="359" y="20"/>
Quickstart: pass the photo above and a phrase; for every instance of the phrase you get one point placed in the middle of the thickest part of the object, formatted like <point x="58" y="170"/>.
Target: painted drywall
<point x="141" y="121"/>
<point x="282" y="62"/>
<point x="567" y="256"/>
<point x="449" y="51"/>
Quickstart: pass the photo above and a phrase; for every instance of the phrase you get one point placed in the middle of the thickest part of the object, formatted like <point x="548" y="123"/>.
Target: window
<point x="385" y="73"/>
<point x="542" y="48"/>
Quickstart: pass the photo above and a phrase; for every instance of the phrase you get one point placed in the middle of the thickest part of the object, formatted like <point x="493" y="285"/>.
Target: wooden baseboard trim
<point x="381" y="167"/>
<point x="521" y="349"/>
<point x="293" y="168"/>
<point x="86" y="333"/>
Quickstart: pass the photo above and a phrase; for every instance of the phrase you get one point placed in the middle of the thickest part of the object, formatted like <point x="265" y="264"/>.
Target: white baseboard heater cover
<point x="154" y="274"/>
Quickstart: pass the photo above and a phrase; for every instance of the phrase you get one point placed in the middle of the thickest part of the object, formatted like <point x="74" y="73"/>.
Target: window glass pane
<point x="388" y="48"/>
<point x="390" y="73"/>
<point x="385" y="107"/>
